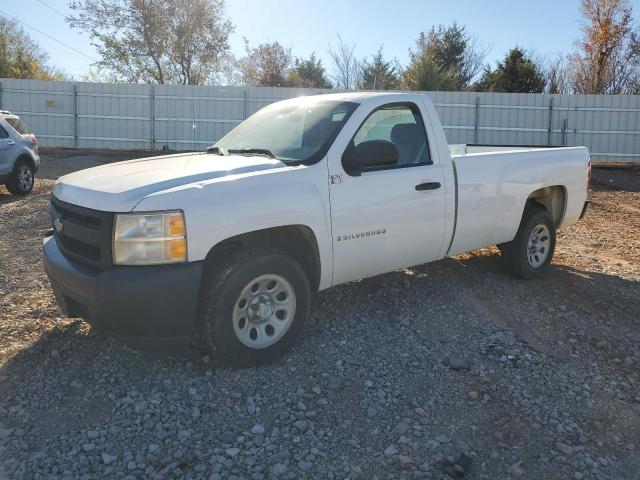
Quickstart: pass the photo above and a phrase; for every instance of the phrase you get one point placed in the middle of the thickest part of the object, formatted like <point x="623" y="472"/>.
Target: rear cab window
<point x="18" y="125"/>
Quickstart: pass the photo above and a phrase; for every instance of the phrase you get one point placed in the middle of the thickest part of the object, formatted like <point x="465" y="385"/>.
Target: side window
<point x="18" y="125"/>
<point x="401" y="125"/>
<point x="3" y="133"/>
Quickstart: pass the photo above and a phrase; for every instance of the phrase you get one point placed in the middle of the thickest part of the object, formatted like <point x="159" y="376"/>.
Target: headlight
<point x="149" y="238"/>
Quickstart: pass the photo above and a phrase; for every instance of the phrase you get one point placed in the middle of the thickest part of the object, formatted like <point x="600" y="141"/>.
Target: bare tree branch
<point x="346" y="66"/>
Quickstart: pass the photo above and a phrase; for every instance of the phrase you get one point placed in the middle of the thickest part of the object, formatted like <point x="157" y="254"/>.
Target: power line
<point x="48" y="36"/>
<point x="52" y="8"/>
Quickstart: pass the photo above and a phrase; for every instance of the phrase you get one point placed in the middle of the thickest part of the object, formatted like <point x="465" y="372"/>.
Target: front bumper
<point x="139" y="301"/>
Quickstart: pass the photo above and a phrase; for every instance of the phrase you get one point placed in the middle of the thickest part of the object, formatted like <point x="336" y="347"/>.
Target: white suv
<point x="19" y="159"/>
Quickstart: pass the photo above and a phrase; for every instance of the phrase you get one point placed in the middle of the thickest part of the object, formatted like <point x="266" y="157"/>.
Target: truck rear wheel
<point x="254" y="306"/>
<point x="529" y="254"/>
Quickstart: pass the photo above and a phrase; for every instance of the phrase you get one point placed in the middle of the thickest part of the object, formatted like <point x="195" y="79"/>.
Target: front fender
<point x="229" y="206"/>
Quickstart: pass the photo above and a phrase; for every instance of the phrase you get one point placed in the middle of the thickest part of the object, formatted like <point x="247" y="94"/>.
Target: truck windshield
<point x="299" y="132"/>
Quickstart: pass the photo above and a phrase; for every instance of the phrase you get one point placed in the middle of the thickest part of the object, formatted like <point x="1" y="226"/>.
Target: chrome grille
<point x="83" y="234"/>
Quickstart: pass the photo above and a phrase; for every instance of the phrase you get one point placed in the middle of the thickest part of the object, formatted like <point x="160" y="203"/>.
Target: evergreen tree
<point x="517" y="73"/>
<point x="446" y="58"/>
<point x="379" y="74"/>
<point x="308" y="73"/>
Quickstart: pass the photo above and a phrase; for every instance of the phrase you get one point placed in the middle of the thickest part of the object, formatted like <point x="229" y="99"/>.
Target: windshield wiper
<point x="214" y="149"/>
<point x="252" y="151"/>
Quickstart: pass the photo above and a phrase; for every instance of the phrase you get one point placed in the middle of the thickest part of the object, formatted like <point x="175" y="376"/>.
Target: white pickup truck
<point x="306" y="194"/>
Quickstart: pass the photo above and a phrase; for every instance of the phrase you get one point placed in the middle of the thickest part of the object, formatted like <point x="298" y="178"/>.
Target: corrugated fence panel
<point x="558" y="118"/>
<point x="99" y="115"/>
<point x="216" y="112"/>
<point x="513" y="119"/>
<point x="47" y="107"/>
<point x="113" y="115"/>
<point x="457" y="111"/>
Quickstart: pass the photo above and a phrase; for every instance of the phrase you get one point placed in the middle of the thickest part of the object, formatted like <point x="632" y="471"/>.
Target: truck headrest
<point x="407" y="134"/>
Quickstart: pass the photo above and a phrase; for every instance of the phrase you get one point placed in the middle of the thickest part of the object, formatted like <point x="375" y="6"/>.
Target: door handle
<point x="428" y="186"/>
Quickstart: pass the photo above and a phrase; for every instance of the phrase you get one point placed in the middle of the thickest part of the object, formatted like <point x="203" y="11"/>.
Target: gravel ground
<point x="447" y="370"/>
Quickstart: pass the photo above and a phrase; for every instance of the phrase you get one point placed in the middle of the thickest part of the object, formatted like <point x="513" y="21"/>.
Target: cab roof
<point x="359" y="97"/>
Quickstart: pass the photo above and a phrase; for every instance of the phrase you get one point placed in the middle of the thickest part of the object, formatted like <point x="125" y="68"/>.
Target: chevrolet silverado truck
<point x="230" y="244"/>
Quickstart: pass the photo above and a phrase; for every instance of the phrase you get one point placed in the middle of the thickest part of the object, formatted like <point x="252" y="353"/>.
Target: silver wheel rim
<point x="25" y="178"/>
<point x="538" y="245"/>
<point x="264" y="311"/>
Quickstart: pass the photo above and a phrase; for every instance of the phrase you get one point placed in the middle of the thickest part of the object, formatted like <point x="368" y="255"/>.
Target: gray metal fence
<point x="99" y="115"/>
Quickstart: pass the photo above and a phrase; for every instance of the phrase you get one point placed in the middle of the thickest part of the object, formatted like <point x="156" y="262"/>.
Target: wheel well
<point x="552" y="199"/>
<point x="26" y="158"/>
<point x="299" y="241"/>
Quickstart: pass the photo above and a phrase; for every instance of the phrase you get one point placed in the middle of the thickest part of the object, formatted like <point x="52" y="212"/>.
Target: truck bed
<point x="493" y="186"/>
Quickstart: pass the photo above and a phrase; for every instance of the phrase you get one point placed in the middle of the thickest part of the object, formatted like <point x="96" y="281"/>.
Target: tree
<point x="346" y="65"/>
<point x="21" y="57"/>
<point x="156" y="41"/>
<point x="557" y="76"/>
<point x="96" y="75"/>
<point x="308" y="73"/>
<point x="607" y="58"/>
<point x="379" y="74"/>
<point x="266" y="65"/>
<point x="447" y="58"/>
<point x="517" y="73"/>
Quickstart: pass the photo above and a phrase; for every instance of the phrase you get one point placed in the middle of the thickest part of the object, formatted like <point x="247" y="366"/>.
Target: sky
<point x="549" y="27"/>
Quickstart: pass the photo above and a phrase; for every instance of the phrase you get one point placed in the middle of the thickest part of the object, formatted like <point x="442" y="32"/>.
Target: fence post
<point x="152" y="116"/>
<point x="550" y="122"/>
<point x="1" y="95"/>
<point x="75" y="115"/>
<point x="193" y="117"/>
<point x="244" y="105"/>
<point x="476" y="133"/>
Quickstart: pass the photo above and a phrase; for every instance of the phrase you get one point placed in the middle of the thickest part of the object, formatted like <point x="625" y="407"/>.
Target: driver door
<point x="387" y="216"/>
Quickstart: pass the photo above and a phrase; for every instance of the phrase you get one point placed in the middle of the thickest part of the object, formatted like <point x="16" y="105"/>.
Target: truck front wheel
<point x="254" y="305"/>
<point x="529" y="254"/>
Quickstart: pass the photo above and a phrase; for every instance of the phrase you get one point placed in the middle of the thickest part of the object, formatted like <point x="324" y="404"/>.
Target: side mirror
<point x="373" y="153"/>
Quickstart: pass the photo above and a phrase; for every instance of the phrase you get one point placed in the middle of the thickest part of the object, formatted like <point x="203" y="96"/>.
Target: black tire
<point x="16" y="185"/>
<point x="515" y="254"/>
<point x="221" y="290"/>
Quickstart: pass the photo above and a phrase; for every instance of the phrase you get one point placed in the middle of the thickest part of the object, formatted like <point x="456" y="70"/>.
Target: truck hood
<point x="119" y="187"/>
